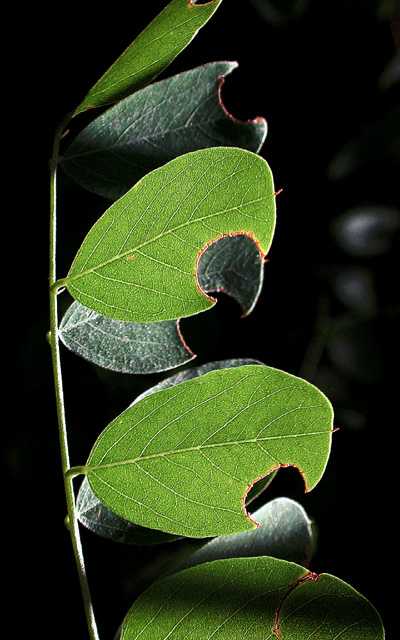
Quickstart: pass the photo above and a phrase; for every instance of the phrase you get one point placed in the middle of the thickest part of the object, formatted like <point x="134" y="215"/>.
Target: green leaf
<point x="284" y="532"/>
<point x="154" y="125"/>
<point x="195" y="372"/>
<point x="258" y="598"/>
<point x="138" y="262"/>
<point x="152" y="51"/>
<point x="100" y="519"/>
<point x="127" y="347"/>
<point x="182" y="460"/>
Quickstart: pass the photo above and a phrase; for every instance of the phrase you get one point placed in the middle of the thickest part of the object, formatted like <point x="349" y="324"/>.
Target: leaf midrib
<point x="89" y="468"/>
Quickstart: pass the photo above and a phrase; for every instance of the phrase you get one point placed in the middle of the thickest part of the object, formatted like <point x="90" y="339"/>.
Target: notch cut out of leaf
<point x="138" y="263"/>
<point x="284" y="532"/>
<point x="259" y="598"/>
<point x="154" y="125"/>
<point x="151" y="52"/>
<point x="182" y="460"/>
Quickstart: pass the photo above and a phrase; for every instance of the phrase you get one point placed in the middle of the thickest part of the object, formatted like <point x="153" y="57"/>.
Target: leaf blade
<point x="138" y="262"/>
<point x="154" y="125"/>
<point x="126" y="347"/>
<point x="150" y="53"/>
<point x="187" y="470"/>
<point x="259" y="598"/>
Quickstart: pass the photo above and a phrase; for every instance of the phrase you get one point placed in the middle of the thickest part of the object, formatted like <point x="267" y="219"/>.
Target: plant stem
<point x="72" y="521"/>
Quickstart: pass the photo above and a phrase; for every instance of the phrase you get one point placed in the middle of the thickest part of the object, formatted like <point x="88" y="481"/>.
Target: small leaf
<point x="182" y="460"/>
<point x="258" y="598"/>
<point x="127" y="347"/>
<point x="152" y="51"/>
<point x="154" y="125"/>
<point x="284" y="532"/>
<point x="138" y="262"/>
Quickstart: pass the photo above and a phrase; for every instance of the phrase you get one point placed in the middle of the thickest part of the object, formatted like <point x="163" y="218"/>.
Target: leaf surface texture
<point x="182" y="460"/>
<point x="138" y="262"/>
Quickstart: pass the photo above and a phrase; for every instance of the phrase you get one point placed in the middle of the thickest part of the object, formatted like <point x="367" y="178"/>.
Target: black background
<point x="317" y="80"/>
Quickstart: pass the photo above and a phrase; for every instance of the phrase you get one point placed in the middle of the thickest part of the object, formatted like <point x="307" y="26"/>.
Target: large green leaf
<point x="182" y="460"/>
<point x="98" y="518"/>
<point x="154" y="125"/>
<point x="127" y="347"/>
<point x="138" y="262"/>
<point x="152" y="51"/>
<point x="251" y="598"/>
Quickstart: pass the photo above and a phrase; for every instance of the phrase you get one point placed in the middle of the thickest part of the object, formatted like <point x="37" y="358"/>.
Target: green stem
<point x="58" y="385"/>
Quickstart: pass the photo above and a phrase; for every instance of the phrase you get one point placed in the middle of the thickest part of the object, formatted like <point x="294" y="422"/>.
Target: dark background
<point x="317" y="76"/>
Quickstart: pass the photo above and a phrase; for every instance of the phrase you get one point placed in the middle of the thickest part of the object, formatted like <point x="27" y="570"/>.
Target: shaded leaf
<point x="150" y="53"/>
<point x="284" y="532"/>
<point x="232" y="264"/>
<point x="182" y="460"/>
<point x="258" y="598"/>
<point x="154" y="125"/>
<point x="127" y="347"/>
<point x="138" y="262"/>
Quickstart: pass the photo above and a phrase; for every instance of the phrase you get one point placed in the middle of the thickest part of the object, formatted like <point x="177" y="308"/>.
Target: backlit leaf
<point x="104" y="522"/>
<point x="256" y="598"/>
<point x="182" y="460"/>
<point x="152" y="51"/>
<point x="154" y="125"/>
<point x="127" y="347"/>
<point x="138" y="262"/>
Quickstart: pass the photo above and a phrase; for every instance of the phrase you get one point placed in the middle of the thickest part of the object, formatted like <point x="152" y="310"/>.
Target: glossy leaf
<point x="182" y="460"/>
<point x="138" y="262"/>
<point x="127" y="347"/>
<point x="284" y="532"/>
<point x="152" y="51"/>
<point x="258" y="598"/>
<point x="154" y="125"/>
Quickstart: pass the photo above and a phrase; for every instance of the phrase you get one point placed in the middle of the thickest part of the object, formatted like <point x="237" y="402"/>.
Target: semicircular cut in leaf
<point x="154" y="125"/>
<point x="259" y="598"/>
<point x="182" y="460"/>
<point x="126" y="347"/>
<point x="138" y="262"/>
<point x="232" y="265"/>
<point x="284" y="532"/>
<point x="150" y="53"/>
